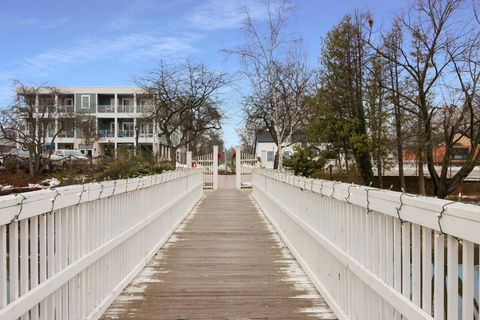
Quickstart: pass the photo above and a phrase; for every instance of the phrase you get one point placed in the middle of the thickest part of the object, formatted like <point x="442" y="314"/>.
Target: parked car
<point x="15" y="158"/>
<point x="72" y="155"/>
<point x="19" y="153"/>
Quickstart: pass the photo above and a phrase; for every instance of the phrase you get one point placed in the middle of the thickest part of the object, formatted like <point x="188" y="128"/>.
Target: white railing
<point x="209" y="163"/>
<point x="244" y="165"/>
<point x="377" y="254"/>
<point x="67" y="253"/>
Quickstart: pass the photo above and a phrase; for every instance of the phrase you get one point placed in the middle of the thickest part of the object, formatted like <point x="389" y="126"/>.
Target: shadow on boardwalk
<point x="225" y="261"/>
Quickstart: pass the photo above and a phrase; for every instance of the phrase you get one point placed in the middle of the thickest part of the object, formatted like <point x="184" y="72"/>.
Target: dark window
<point x="459" y="154"/>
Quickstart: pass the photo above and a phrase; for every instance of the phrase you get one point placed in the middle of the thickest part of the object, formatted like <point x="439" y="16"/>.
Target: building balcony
<point x="125" y="133"/>
<point x="125" y="109"/>
<point x="67" y="134"/>
<point x="145" y="108"/>
<point x="145" y="134"/>
<point x="66" y="109"/>
<point x="45" y="109"/>
<point x="106" y="133"/>
<point x="106" y="108"/>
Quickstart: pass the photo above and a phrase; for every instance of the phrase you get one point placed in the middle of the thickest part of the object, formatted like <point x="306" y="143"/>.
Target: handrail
<point x="389" y="251"/>
<point x="61" y="241"/>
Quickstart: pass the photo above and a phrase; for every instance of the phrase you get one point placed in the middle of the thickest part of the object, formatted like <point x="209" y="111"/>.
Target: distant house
<point x="265" y="149"/>
<point x="459" y="152"/>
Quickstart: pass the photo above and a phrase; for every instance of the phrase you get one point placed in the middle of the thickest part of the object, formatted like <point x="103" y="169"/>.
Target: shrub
<point x="305" y="161"/>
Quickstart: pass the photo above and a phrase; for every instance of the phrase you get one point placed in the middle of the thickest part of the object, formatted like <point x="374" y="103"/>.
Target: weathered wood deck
<point x="224" y="262"/>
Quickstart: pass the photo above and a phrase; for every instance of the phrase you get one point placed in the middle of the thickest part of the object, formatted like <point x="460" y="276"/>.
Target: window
<point x="270" y="155"/>
<point x="68" y="101"/>
<point x="86" y="102"/>
<point x="459" y="154"/>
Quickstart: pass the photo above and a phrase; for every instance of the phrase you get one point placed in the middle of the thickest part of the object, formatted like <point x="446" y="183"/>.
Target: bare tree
<point x="185" y="100"/>
<point x="87" y="125"/>
<point x="440" y="65"/>
<point x="205" y="142"/>
<point x="276" y="68"/>
<point x="31" y="123"/>
<point x="247" y="139"/>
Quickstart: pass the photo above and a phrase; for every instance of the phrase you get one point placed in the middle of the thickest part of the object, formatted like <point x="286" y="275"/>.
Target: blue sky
<point x="108" y="42"/>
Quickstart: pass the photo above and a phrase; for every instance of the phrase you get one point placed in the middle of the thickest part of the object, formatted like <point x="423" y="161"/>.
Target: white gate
<point x="244" y="164"/>
<point x="209" y="163"/>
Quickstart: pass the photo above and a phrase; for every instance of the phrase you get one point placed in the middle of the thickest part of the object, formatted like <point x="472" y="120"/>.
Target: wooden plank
<point x="13" y="260"/>
<point x="439" y="291"/>
<point x="3" y="266"/>
<point x="468" y="280"/>
<point x="427" y="270"/>
<point x="452" y="278"/>
<point x="225" y="261"/>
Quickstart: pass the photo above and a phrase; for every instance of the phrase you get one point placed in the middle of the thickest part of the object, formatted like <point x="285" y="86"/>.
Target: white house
<point x="265" y="149"/>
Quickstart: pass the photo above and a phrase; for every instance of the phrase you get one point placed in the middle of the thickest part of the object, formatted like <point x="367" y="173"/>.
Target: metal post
<point x="215" y="167"/>
<point x="238" y="169"/>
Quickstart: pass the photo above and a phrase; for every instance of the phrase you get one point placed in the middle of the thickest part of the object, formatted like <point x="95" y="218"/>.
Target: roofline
<point x="94" y="89"/>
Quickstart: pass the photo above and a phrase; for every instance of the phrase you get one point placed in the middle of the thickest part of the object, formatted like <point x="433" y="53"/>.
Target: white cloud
<point x="124" y="48"/>
<point x="14" y="21"/>
<point x="224" y="14"/>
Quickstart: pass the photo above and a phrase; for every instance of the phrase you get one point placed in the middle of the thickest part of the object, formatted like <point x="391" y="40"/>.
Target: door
<point x="127" y="104"/>
<point x="128" y="128"/>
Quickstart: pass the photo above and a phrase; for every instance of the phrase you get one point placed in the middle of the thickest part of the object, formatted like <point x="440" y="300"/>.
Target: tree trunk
<point x="275" y="161"/>
<point x="173" y="156"/>
<point x="379" y="170"/>
<point x="280" y="158"/>
<point x="421" y="178"/>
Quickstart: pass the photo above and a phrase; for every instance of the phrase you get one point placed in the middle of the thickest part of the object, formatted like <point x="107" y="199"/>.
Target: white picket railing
<point x="377" y="254"/>
<point x="67" y="253"/>
<point x="209" y="163"/>
<point x="244" y="165"/>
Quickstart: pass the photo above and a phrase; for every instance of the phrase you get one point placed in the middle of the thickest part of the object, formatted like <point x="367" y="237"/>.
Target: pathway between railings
<point x="225" y="261"/>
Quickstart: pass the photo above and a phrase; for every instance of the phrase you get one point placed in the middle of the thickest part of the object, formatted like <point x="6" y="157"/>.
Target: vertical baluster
<point x="24" y="277"/>
<point x="43" y="262"/>
<point x="416" y="259"/>
<point x="427" y="270"/>
<point x="58" y="261"/>
<point x="452" y="278"/>
<point x="13" y="259"/>
<point x="34" y="260"/>
<point x="64" y="255"/>
<point x="406" y="289"/>
<point x="439" y="280"/>
<point x="468" y="280"/>
<point x="3" y="266"/>
<point x="51" y="260"/>
<point x="389" y="260"/>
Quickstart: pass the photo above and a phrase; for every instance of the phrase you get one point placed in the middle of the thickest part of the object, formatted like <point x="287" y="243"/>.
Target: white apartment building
<point x="119" y="114"/>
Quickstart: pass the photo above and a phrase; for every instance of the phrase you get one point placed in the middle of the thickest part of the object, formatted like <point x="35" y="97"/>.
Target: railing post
<point x="215" y="167"/>
<point x="238" y="168"/>
<point x="189" y="159"/>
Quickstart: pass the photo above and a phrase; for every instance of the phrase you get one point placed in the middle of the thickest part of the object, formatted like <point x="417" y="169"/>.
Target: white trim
<point x="81" y="101"/>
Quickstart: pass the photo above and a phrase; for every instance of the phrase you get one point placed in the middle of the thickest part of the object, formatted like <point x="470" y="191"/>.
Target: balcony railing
<point x="106" y="133"/>
<point x="67" y="134"/>
<point x="125" y="133"/>
<point x="45" y="109"/>
<point x="125" y="109"/>
<point x="145" y="108"/>
<point x="65" y="109"/>
<point x="145" y="134"/>
<point x="106" y="108"/>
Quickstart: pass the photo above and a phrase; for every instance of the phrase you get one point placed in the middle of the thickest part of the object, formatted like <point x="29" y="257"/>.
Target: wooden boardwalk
<point x="225" y="261"/>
